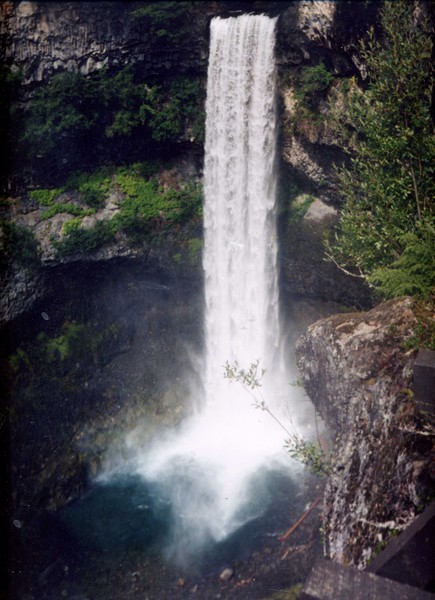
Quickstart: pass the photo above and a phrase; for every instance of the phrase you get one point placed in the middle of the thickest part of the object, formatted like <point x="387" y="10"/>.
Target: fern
<point x="413" y="273"/>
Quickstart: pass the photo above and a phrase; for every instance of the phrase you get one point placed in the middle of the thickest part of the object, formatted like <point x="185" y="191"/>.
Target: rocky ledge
<point x="358" y="372"/>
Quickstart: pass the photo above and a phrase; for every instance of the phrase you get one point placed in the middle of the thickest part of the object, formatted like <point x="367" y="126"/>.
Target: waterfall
<point x="209" y="469"/>
<point x="240" y="250"/>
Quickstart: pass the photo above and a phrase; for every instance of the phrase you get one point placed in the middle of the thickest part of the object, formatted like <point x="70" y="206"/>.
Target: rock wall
<point x="42" y="39"/>
<point x="358" y="373"/>
<point x="45" y="38"/>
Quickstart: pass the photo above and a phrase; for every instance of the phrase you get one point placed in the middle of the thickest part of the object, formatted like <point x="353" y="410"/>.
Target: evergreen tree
<point x="386" y="233"/>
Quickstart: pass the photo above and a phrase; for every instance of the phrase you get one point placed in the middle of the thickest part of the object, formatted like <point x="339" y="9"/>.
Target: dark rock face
<point x="45" y="38"/>
<point x="306" y="273"/>
<point x="359" y="377"/>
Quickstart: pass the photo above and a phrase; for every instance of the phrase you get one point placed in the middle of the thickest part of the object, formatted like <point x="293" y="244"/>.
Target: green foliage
<point x="309" y="454"/>
<point x="73" y="342"/>
<point x="250" y="378"/>
<point x="142" y="205"/>
<point x="168" y="21"/>
<point x="92" y="187"/>
<point x="144" y="209"/>
<point x="424" y="332"/>
<point x="78" y="240"/>
<point x="299" y="206"/>
<point x="313" y="81"/>
<point x="17" y="244"/>
<point x="71" y="209"/>
<point x="190" y="203"/>
<point x="74" y="111"/>
<point x="73" y="107"/>
<point x="413" y="273"/>
<point x="194" y="248"/>
<point x="172" y="112"/>
<point x="389" y="187"/>
<point x="46" y="197"/>
<point x="292" y="593"/>
<point x="20" y="359"/>
<point x="63" y="108"/>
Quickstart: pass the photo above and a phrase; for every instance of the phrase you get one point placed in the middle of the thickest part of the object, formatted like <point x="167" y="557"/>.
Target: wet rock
<point x="359" y="376"/>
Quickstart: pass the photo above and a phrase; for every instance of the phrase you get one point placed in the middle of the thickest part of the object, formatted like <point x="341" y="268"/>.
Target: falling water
<point x="208" y="468"/>
<point x="208" y="472"/>
<point x="240" y="252"/>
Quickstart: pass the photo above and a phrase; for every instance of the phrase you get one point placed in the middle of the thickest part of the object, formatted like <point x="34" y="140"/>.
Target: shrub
<point x="387" y="222"/>
<point x="144" y="209"/>
<point x="312" y="82"/>
<point x="92" y="187"/>
<point x="80" y="240"/>
<point x="71" y="209"/>
<point x="17" y="244"/>
<point x="46" y="197"/>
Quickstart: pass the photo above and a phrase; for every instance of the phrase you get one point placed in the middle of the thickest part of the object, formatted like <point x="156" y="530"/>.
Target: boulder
<point x="358" y="372"/>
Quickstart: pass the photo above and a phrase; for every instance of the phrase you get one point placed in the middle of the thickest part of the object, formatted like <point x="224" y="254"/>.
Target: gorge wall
<point x="358" y="370"/>
<point x="41" y="40"/>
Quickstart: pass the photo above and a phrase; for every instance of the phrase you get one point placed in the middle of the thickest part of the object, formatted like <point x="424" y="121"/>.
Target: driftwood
<point x="293" y="528"/>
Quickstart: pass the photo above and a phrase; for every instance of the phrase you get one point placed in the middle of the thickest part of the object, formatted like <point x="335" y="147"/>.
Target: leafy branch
<point x="308" y="453"/>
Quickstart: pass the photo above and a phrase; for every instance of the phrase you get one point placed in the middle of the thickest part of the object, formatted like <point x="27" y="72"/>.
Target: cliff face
<point x="358" y="374"/>
<point x="45" y="38"/>
<point x="42" y="39"/>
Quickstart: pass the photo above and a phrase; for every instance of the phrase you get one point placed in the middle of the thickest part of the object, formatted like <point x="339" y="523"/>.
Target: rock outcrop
<point x="45" y="38"/>
<point x="358" y="373"/>
<point x="306" y="271"/>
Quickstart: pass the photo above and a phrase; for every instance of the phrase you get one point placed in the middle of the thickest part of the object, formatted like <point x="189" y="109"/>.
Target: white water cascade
<point x="240" y="253"/>
<point x="208" y="468"/>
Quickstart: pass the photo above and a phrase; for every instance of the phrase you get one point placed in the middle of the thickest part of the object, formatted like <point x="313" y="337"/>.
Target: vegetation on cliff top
<point x="143" y="208"/>
<point x="105" y="116"/>
<point x="387" y="228"/>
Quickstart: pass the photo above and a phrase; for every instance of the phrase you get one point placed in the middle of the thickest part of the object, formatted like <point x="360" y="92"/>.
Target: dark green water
<point x="127" y="514"/>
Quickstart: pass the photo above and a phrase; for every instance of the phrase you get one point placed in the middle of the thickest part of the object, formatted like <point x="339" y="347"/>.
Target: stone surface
<point x="359" y="377"/>
<point x="19" y="289"/>
<point x="45" y="38"/>
<point x="330" y="581"/>
<point x="306" y="271"/>
<point x="424" y="380"/>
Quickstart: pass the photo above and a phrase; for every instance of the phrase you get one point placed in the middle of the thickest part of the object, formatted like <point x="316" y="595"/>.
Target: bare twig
<point x="293" y="528"/>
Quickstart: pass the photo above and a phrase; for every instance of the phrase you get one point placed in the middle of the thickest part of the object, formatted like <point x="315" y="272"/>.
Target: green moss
<point x="194" y="246"/>
<point x="73" y="342"/>
<point x="424" y="332"/>
<point x="92" y="187"/>
<point x="46" y="197"/>
<point x="18" y="360"/>
<point x="84" y="241"/>
<point x="292" y="593"/>
<point x="71" y="209"/>
<point x="145" y="210"/>
<point x="168" y="21"/>
<point x="313" y="80"/>
<point x="299" y="206"/>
